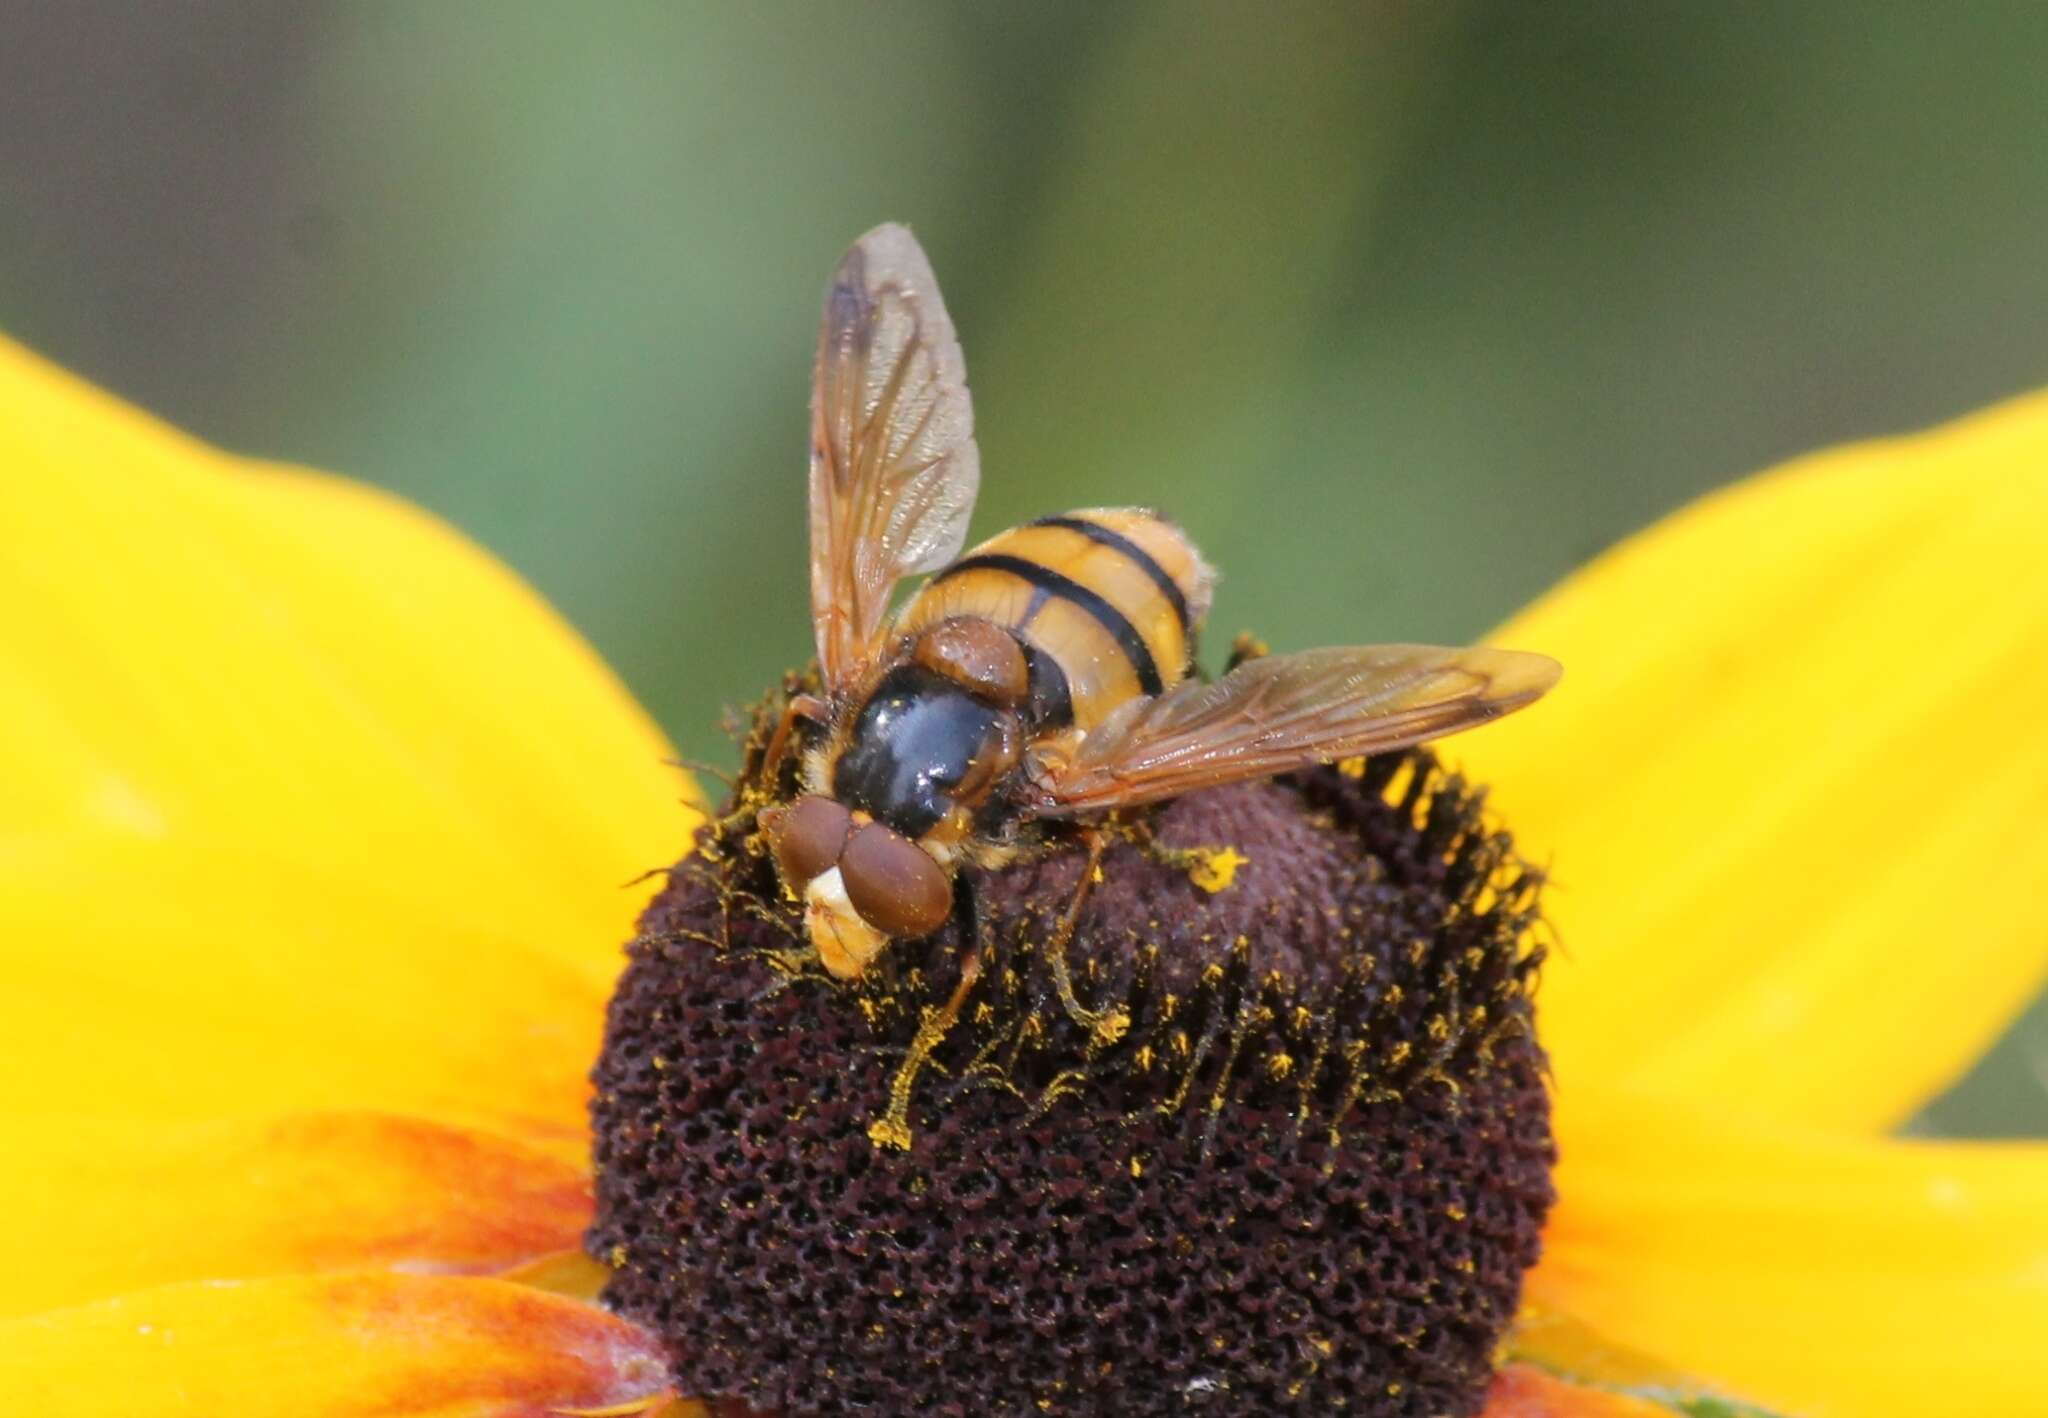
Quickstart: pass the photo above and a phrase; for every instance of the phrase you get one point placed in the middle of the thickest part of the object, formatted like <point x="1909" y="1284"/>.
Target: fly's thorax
<point x="898" y="790"/>
<point x="920" y="750"/>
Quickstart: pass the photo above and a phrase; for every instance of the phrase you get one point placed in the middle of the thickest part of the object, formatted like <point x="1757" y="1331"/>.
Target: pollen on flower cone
<point x="1283" y="1147"/>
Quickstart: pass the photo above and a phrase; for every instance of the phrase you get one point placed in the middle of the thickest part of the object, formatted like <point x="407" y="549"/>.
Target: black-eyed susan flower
<point x="309" y="838"/>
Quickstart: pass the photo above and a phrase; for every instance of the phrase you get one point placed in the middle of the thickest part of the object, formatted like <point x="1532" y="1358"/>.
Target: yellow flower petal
<point x="98" y="1208"/>
<point x="1793" y="782"/>
<point x="198" y="646"/>
<point x="309" y="803"/>
<point x="178" y="979"/>
<point x="565" y="1272"/>
<point x="1825" y="1276"/>
<point x="351" y="1346"/>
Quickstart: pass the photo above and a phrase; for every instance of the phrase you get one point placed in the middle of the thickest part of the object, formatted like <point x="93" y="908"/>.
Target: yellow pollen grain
<point x="1398" y="785"/>
<point x="617" y="1257"/>
<point x="1137" y="1167"/>
<point x="890" y="1134"/>
<point x="1455" y="1212"/>
<point x="659" y="1063"/>
<point x="1213" y="869"/>
<point x="1279" y="1066"/>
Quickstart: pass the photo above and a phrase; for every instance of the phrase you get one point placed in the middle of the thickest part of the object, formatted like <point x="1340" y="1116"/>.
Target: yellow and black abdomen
<point x="1111" y="596"/>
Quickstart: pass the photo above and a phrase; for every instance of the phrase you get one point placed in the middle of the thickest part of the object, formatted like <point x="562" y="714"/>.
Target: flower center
<point x="1264" y="1131"/>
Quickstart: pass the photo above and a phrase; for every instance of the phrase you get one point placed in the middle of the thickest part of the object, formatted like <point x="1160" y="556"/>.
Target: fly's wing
<point x="894" y="468"/>
<point x="1285" y="712"/>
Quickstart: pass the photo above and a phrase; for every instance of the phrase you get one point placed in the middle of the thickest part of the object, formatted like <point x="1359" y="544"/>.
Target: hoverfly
<point x="1047" y="674"/>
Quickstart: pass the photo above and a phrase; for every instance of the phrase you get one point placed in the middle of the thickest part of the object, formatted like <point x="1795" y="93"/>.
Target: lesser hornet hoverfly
<point x="1047" y="674"/>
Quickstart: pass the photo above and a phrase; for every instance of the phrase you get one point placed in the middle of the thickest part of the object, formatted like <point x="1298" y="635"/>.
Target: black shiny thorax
<point x="911" y="746"/>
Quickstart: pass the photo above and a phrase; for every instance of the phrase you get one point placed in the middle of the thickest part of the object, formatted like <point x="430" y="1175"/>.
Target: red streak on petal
<point x="539" y="1353"/>
<point x="425" y="1196"/>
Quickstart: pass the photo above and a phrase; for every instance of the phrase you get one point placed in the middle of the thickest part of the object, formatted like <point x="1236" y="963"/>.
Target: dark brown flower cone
<point x="1282" y="1145"/>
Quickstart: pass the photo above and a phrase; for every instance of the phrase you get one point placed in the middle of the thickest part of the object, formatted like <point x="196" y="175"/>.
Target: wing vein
<point x="894" y="467"/>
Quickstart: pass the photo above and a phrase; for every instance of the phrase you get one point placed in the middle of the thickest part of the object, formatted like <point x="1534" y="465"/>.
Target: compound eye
<point x="979" y="656"/>
<point x="807" y="837"/>
<point x="894" y="883"/>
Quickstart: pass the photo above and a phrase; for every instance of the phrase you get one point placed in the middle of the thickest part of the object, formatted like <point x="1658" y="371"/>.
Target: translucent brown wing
<point x="894" y="468"/>
<point x="1284" y="712"/>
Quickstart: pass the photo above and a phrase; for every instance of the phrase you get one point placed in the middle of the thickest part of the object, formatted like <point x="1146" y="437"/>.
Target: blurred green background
<point x="1404" y="309"/>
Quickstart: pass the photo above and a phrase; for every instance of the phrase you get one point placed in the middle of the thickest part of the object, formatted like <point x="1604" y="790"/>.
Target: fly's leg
<point x="762" y="803"/>
<point x="892" y="1129"/>
<point x="802" y="706"/>
<point x="1104" y="1026"/>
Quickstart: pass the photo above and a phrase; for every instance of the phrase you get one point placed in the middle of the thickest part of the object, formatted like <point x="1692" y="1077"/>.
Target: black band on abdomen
<point x="1067" y="589"/>
<point x="1139" y="557"/>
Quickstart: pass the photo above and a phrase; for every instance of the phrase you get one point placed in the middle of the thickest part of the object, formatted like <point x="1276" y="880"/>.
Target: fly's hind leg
<point x="761" y="802"/>
<point x="802" y="706"/>
<point x="892" y="1129"/>
<point x="1104" y="1026"/>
